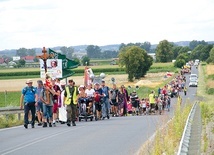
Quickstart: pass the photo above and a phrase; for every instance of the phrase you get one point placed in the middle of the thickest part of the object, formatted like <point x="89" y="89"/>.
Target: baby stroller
<point x="85" y="112"/>
<point x="129" y="108"/>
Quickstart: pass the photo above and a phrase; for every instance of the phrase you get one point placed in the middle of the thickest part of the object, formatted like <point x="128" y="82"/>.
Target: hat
<point x="29" y="81"/>
<point x="96" y="83"/>
<point x="62" y="82"/>
<point x="81" y="86"/>
<point x="103" y="81"/>
<point x="69" y="81"/>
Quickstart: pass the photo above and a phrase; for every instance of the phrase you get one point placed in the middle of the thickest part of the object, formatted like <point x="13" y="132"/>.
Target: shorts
<point x="39" y="106"/>
<point x="98" y="106"/>
<point x="135" y="104"/>
<point x="55" y="108"/>
<point x="152" y="106"/>
<point x="114" y="102"/>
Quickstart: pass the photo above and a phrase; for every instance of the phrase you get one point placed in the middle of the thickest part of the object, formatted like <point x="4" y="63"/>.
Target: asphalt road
<point x="121" y="135"/>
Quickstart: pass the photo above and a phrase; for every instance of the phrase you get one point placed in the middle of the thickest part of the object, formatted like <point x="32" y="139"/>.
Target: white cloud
<point x="69" y="22"/>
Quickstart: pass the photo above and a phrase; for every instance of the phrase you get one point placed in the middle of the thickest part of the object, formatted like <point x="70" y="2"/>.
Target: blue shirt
<point x="105" y="91"/>
<point x="29" y="94"/>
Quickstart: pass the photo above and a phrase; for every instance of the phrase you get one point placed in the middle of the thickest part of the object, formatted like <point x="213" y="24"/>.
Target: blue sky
<point x="49" y="23"/>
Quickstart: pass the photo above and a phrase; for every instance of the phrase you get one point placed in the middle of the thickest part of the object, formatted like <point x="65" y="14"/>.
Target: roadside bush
<point x="210" y="91"/>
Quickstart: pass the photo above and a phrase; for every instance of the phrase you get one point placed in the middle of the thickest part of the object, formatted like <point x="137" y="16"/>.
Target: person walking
<point x="185" y="90"/>
<point x="106" y="104"/>
<point x="71" y="99"/>
<point x="39" y="106"/>
<point x="56" y="99"/>
<point x="152" y="100"/>
<point x="47" y="99"/>
<point x="114" y="99"/>
<point x="29" y="99"/>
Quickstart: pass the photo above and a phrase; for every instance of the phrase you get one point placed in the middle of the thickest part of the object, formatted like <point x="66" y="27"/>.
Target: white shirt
<point x="90" y="93"/>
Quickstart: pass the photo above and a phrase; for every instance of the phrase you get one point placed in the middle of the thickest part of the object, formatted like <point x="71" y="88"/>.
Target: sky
<point x="50" y="23"/>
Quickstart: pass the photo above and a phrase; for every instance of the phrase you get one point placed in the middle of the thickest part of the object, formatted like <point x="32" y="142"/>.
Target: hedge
<point x="95" y="70"/>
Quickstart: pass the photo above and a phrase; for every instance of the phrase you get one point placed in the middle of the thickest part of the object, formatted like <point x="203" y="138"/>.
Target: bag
<point x="97" y="97"/>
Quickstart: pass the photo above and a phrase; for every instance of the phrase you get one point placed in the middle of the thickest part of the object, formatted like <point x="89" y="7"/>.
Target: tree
<point x="67" y="51"/>
<point x="93" y="51"/>
<point x="146" y="45"/>
<point x="201" y="52"/>
<point x="179" y="63"/>
<point x="184" y="49"/>
<point x="135" y="60"/>
<point x="31" y="52"/>
<point x="195" y="43"/>
<point x="211" y="57"/>
<point x="76" y="60"/>
<point x="183" y="56"/>
<point x="164" y="51"/>
<point x="21" y="63"/>
<point x="22" y="52"/>
<point x="175" y="50"/>
<point x="85" y="60"/>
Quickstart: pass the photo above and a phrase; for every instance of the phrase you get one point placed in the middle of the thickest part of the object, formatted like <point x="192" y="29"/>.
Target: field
<point x="10" y="87"/>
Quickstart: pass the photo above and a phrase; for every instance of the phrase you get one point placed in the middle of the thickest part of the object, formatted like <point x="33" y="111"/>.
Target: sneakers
<point x="50" y="125"/>
<point x="68" y="124"/>
<point x="39" y="124"/>
<point x="73" y="123"/>
<point x="54" y="124"/>
<point x="32" y="125"/>
<point x="44" y="125"/>
<point x="26" y="126"/>
<point x="108" y="117"/>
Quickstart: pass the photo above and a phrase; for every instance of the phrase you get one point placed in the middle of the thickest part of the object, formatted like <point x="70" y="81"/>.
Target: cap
<point x="29" y="81"/>
<point x="103" y="81"/>
<point x="81" y="86"/>
<point x="96" y="83"/>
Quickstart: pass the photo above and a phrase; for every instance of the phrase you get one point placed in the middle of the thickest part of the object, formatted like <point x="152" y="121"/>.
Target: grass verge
<point x="168" y="137"/>
<point x="9" y="120"/>
<point x="207" y="109"/>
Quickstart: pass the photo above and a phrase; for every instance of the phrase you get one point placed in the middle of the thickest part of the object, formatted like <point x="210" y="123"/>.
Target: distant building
<point x="1" y="60"/>
<point x="16" y="58"/>
<point x="29" y="59"/>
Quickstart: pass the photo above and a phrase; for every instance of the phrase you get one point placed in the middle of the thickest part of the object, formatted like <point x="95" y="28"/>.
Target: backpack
<point x="97" y="97"/>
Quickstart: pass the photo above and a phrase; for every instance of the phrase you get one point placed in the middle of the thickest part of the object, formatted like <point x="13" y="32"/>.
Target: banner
<point x="54" y="68"/>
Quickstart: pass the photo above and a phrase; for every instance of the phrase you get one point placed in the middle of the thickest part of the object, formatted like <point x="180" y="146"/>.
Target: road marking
<point x="39" y="140"/>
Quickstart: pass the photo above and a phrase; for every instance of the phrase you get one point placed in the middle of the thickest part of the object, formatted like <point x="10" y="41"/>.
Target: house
<point x="1" y="60"/>
<point x="29" y="59"/>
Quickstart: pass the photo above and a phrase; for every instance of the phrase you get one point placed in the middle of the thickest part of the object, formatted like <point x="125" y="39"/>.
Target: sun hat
<point x="29" y="81"/>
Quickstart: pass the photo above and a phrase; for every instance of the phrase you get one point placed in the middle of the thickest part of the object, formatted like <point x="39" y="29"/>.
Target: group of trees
<point x="166" y="52"/>
<point x="22" y="52"/>
<point x="94" y="51"/>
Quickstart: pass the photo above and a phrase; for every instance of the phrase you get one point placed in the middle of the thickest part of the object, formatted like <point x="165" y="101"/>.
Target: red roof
<point x="28" y="57"/>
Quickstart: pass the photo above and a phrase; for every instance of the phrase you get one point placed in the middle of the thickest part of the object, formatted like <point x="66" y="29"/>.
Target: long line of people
<point x="69" y="103"/>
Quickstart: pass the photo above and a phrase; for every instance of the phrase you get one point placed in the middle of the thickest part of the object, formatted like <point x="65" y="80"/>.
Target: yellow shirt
<point x="151" y="98"/>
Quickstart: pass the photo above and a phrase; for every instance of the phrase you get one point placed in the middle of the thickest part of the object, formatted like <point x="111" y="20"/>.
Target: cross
<point x="44" y="57"/>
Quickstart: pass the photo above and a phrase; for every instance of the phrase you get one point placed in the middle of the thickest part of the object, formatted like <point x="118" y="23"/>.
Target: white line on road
<point x="42" y="139"/>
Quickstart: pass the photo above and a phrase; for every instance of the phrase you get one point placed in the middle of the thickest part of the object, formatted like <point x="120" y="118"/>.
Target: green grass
<point x="12" y="99"/>
<point x="10" y="120"/>
<point x="207" y="107"/>
<point x="167" y="139"/>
